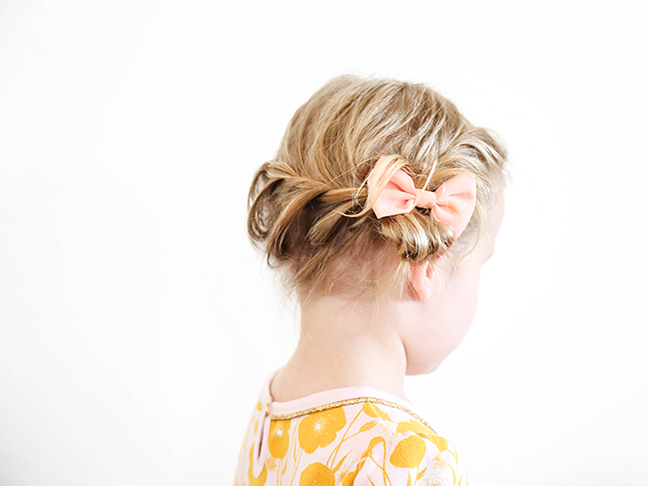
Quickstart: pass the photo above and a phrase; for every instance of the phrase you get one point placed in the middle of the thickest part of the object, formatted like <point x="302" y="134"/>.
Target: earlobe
<point x="421" y="280"/>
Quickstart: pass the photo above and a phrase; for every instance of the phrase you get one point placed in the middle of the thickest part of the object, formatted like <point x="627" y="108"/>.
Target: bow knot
<point x="424" y="199"/>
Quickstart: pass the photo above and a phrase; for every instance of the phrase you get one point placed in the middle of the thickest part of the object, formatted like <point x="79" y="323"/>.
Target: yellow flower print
<point x="317" y="474"/>
<point x="319" y="429"/>
<point x="260" y="481"/>
<point x="279" y="440"/>
<point x="408" y="452"/>
<point x="372" y="443"/>
<point x="349" y="478"/>
<point x="423" y="431"/>
<point x="413" y="426"/>
<point x="373" y="411"/>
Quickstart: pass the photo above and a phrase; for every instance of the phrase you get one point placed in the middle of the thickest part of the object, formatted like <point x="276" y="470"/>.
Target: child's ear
<point x="421" y="280"/>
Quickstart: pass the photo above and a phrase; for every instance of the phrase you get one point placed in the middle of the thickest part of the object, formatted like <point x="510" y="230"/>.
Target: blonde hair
<point x="308" y="208"/>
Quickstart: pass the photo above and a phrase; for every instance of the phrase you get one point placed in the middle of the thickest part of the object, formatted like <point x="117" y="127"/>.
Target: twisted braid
<point x="314" y="209"/>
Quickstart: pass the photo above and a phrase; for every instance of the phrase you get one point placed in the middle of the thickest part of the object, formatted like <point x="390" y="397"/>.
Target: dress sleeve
<point x="408" y="459"/>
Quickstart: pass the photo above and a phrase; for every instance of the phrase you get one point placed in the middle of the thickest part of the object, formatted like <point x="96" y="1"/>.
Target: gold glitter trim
<point x="350" y="401"/>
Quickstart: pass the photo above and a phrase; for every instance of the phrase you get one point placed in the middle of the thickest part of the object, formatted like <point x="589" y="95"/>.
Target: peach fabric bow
<point x="452" y="203"/>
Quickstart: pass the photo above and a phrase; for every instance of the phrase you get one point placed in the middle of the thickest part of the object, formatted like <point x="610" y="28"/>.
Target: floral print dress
<point x="346" y="436"/>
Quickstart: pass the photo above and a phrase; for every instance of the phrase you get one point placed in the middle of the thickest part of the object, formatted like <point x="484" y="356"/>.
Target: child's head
<point x="309" y="204"/>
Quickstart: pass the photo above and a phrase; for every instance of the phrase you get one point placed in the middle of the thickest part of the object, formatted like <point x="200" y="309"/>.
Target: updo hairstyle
<point x="308" y="209"/>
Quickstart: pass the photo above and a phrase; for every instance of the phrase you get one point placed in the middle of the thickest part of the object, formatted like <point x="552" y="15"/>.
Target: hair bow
<point x="393" y="192"/>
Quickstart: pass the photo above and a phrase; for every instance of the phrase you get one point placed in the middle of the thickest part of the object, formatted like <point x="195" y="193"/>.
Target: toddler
<point x="378" y="210"/>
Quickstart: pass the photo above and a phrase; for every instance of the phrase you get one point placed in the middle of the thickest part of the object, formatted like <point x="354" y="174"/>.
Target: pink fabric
<point x="452" y="203"/>
<point x="328" y="396"/>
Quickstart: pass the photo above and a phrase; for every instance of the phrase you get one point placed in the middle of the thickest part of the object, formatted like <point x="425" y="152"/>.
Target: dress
<point x="346" y="436"/>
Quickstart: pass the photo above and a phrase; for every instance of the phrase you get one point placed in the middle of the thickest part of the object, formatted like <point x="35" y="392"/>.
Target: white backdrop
<point x="136" y="322"/>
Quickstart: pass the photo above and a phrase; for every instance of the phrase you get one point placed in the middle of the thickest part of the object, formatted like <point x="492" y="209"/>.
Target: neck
<point x="343" y="344"/>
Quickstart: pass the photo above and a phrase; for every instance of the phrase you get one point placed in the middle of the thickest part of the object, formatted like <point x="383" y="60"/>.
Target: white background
<point x="136" y="322"/>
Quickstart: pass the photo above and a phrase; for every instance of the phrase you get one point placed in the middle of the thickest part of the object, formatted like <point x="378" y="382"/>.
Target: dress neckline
<point x="327" y="399"/>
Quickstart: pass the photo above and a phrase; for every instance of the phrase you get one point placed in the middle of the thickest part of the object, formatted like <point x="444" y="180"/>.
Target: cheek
<point x="470" y="298"/>
<point x="466" y="307"/>
<point x="448" y="324"/>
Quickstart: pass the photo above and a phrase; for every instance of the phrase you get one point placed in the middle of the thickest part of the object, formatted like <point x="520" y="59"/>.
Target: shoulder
<point x="404" y="450"/>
